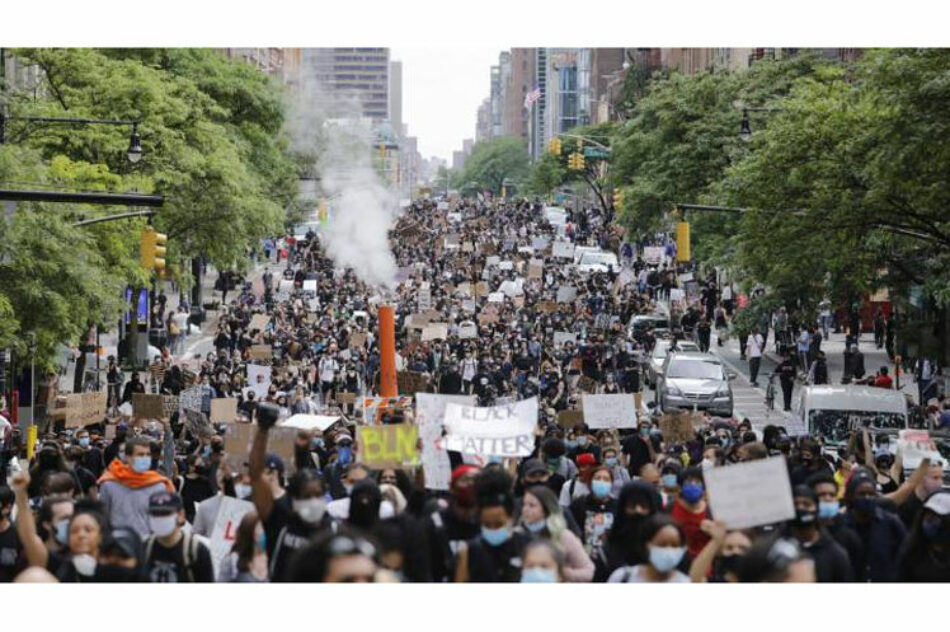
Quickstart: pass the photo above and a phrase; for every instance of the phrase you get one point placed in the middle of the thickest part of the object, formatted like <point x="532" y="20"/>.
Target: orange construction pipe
<point x="388" y="386"/>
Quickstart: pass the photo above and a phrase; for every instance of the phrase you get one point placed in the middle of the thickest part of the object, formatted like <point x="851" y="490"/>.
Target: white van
<point x="832" y="411"/>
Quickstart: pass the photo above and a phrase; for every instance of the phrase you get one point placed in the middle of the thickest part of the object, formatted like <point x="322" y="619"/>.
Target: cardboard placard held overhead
<point x="547" y="307"/>
<point x="750" y="494"/>
<point x="481" y="289"/>
<point x="487" y="319"/>
<point x="496" y="297"/>
<point x="259" y="321"/>
<point x="468" y="330"/>
<point x="261" y="352"/>
<point x="560" y="337"/>
<point x="358" y="340"/>
<point x="535" y="269"/>
<point x="570" y="419"/>
<point x="147" y="406"/>
<point x="435" y="331"/>
<point x="223" y="409"/>
<point x="566" y="294"/>
<point x="610" y="411"/>
<point x="679" y="427"/>
<point x="504" y="431"/>
<point x="393" y="445"/>
<point x="239" y="436"/>
<point x="411" y="382"/>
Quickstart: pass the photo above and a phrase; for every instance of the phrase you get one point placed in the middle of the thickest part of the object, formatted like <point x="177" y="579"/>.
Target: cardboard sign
<point x="224" y="532"/>
<point x="239" y="436"/>
<point x="496" y="297"/>
<point x="261" y="352"/>
<point x="586" y="384"/>
<point x="430" y="410"/>
<point x="570" y="419"/>
<point x="563" y="250"/>
<point x="411" y="382"/>
<point x="425" y="298"/>
<point x="468" y="330"/>
<point x="394" y="445"/>
<point x="535" y="269"/>
<point x="147" y="406"/>
<point x="503" y="431"/>
<point x="435" y="331"/>
<point x="259" y="322"/>
<point x="258" y="379"/>
<point x="481" y="289"/>
<point x="679" y="427"/>
<point x="372" y="405"/>
<point x="610" y="411"/>
<point x="487" y="319"/>
<point x="358" y="340"/>
<point x="223" y="409"/>
<point x="547" y="307"/>
<point x="677" y="294"/>
<point x="750" y="494"/>
<point x="464" y="289"/>
<point x="170" y="405"/>
<point x="560" y="337"/>
<point x="80" y="409"/>
<point x="566" y="294"/>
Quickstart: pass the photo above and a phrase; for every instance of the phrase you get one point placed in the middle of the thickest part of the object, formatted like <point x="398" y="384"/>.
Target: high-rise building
<point x="344" y="75"/>
<point x="495" y="99"/>
<point x="605" y="64"/>
<point x="537" y="128"/>
<point x="395" y="96"/>
<point x="458" y="160"/>
<point x="268" y="60"/>
<point x="515" y="87"/>
<point x="569" y="90"/>
<point x="483" y="128"/>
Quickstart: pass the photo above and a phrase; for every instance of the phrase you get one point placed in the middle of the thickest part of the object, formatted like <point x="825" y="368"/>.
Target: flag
<point x="531" y="97"/>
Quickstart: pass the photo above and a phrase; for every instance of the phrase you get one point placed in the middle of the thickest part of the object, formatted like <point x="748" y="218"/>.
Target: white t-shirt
<point x="636" y="575"/>
<point x="755" y="346"/>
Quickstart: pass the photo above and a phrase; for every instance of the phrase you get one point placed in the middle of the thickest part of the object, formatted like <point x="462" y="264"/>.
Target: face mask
<point x="707" y="464"/>
<point x="600" y="489"/>
<point x="864" y="505"/>
<point x="729" y="564"/>
<point x="644" y="432"/>
<point x="85" y="564"/>
<point x="345" y="455"/>
<point x="571" y="444"/>
<point x="62" y="532"/>
<point x="114" y="574"/>
<point x="536" y="527"/>
<point x="828" y="509"/>
<point x="310" y="510"/>
<point x="495" y="537"/>
<point x="538" y="575"/>
<point x="554" y="462"/>
<point x="664" y="558"/>
<point x="668" y="480"/>
<point x="243" y="491"/>
<point x="317" y="443"/>
<point x="611" y="461"/>
<point x="692" y="492"/>
<point x="930" y="485"/>
<point x="583" y="441"/>
<point x="805" y="518"/>
<point x="163" y="526"/>
<point x="84" y="442"/>
<point x="141" y="464"/>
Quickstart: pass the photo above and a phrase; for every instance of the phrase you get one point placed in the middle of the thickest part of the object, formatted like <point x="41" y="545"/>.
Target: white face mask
<point x="85" y="564"/>
<point x="242" y="491"/>
<point x="163" y="526"/>
<point x="386" y="510"/>
<point x="310" y="510"/>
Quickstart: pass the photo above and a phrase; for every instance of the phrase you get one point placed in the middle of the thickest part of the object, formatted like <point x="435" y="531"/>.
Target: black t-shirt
<point x="9" y="553"/>
<point x="908" y="510"/>
<point x="167" y="565"/>
<point x="285" y="534"/>
<point x="195" y="490"/>
<point x="496" y="563"/>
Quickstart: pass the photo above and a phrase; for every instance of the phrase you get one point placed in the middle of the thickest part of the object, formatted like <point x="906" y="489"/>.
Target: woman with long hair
<point x="542" y="516"/>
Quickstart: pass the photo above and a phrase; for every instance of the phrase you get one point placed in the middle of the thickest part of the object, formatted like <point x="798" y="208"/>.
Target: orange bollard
<point x="388" y="387"/>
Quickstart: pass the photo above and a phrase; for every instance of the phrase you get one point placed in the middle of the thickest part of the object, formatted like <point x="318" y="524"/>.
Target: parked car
<point x="656" y="360"/>
<point x="641" y="322"/>
<point x="832" y="411"/>
<point x="695" y="380"/>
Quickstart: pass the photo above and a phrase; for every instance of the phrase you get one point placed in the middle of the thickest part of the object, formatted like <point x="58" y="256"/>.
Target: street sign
<point x="596" y="153"/>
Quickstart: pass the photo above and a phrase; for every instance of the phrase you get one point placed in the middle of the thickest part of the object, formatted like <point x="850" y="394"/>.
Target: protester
<point x="541" y="516"/>
<point x="663" y="545"/>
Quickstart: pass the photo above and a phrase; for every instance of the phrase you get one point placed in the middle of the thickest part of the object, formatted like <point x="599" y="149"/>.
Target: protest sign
<point x="496" y="297"/>
<point x="259" y="321"/>
<point x="468" y="306"/>
<point x="684" y="278"/>
<point x="750" y="494"/>
<point x="586" y="384"/>
<point x="190" y="399"/>
<point x="394" y="445"/>
<point x="435" y="331"/>
<point x="80" y="409"/>
<point x="481" y="289"/>
<point x="467" y="330"/>
<point x="425" y="298"/>
<point x="506" y="265"/>
<point x="358" y="340"/>
<point x="487" y="319"/>
<point x="676" y="294"/>
<point x="310" y="285"/>
<point x="198" y="424"/>
<point x="170" y="405"/>
<point x="609" y="411"/>
<point x="915" y="445"/>
<point x="563" y="250"/>
<point x="525" y="250"/>
<point x="224" y="532"/>
<point x="259" y="379"/>
<point x="653" y="255"/>
<point x="680" y="426"/>
<point x="560" y="337"/>
<point x="540" y="243"/>
<point x="238" y="437"/>
<point x="464" y="289"/>
<point x="512" y="288"/>
<point x="310" y="422"/>
<point x="468" y="246"/>
<point x="488" y="248"/>
<point x="223" y="409"/>
<point x="535" y="269"/>
<point x="504" y="431"/>
<point x="570" y="418"/>
<point x="373" y="405"/>
<point x="547" y="307"/>
<point x="430" y="410"/>
<point x="566" y="294"/>
<point x="262" y="352"/>
<point x="147" y="406"/>
<point x="411" y="382"/>
<point x="518" y="301"/>
<point x="692" y="290"/>
<point x="492" y="261"/>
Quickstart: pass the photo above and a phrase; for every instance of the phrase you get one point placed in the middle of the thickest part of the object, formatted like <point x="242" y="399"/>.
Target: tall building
<point x="458" y="160"/>
<point x="515" y="87"/>
<point x="483" y="128"/>
<point x="495" y="100"/>
<point x="569" y="90"/>
<point x="605" y="64"/>
<point x="267" y="60"/>
<point x="350" y="74"/>
<point x="395" y="96"/>
<point x="537" y="129"/>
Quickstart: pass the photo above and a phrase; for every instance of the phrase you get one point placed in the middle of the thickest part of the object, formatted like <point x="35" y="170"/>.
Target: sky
<point x="442" y="89"/>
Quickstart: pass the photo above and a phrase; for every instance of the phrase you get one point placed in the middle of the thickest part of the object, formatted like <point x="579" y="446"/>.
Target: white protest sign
<point x="189" y="399"/>
<point x="469" y="305"/>
<point x="914" y="446"/>
<point x="504" y="431"/>
<point x="512" y="288"/>
<point x="310" y="285"/>
<point x="560" y="337"/>
<point x="468" y="330"/>
<point x="750" y="494"/>
<point x="435" y="331"/>
<point x="526" y="250"/>
<point x="540" y="243"/>
<point x="676" y="294"/>
<point x="425" y="298"/>
<point x="258" y="379"/>
<point x="230" y="513"/>
<point x="685" y="278"/>
<point x="506" y="265"/>
<point x="494" y="260"/>
<point x="610" y="411"/>
<point x="563" y="250"/>
<point x="566" y="294"/>
<point x="496" y="297"/>
<point x="309" y="422"/>
<point x="653" y="255"/>
<point x="430" y="409"/>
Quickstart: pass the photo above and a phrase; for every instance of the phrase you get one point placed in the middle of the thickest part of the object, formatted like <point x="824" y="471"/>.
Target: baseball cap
<point x="164" y="502"/>
<point x="123" y="541"/>
<point x="342" y="436"/>
<point x="273" y="462"/>
<point x="533" y="467"/>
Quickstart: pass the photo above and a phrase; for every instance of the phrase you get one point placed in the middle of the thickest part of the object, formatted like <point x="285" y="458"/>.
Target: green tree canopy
<point x="493" y="161"/>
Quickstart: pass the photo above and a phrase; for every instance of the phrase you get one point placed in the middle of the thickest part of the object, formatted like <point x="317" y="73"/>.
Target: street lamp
<point x="745" y="129"/>
<point x="134" y="152"/>
<point x="135" y="145"/>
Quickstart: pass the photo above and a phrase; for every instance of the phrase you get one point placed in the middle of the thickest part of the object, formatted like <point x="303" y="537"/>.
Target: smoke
<point x="339" y="145"/>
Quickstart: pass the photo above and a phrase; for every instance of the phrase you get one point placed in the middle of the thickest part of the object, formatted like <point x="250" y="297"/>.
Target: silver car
<point x="657" y="358"/>
<point x="695" y="380"/>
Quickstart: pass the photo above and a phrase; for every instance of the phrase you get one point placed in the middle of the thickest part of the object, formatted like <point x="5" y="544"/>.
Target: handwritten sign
<point x="653" y="255"/>
<point x="563" y="250"/>
<point x="190" y="399"/>
<point x="411" y="382"/>
<point x="750" y="494"/>
<point x="560" y="337"/>
<point x="372" y="405"/>
<point x="224" y="532"/>
<point x="547" y="307"/>
<point x="261" y="352"/>
<point x="170" y="405"/>
<point x="223" y="409"/>
<point x="394" y="445"/>
<point x="496" y="297"/>
<point x="535" y="269"/>
<point x="425" y="298"/>
<point x="468" y="330"/>
<point x="435" y="331"/>
<point x="915" y="446"/>
<point x="503" y="431"/>
<point x="679" y="427"/>
<point x="566" y="294"/>
<point x="570" y="418"/>
<point x="259" y="322"/>
<point x="610" y="411"/>
<point x="147" y="406"/>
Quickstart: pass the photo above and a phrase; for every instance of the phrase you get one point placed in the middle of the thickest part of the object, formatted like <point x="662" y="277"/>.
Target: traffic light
<point x="682" y="241"/>
<point x="576" y="162"/>
<point x="618" y="199"/>
<point x="153" y="250"/>
<point x="554" y="146"/>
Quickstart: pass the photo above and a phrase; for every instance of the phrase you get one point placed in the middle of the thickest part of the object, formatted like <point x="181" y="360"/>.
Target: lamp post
<point x="133" y="153"/>
<point x="745" y="125"/>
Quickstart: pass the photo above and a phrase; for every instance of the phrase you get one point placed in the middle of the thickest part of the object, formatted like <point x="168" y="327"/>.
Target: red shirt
<point x="884" y="381"/>
<point x="689" y="522"/>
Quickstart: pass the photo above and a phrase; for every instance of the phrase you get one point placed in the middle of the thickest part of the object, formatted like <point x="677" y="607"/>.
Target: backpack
<point x="189" y="547"/>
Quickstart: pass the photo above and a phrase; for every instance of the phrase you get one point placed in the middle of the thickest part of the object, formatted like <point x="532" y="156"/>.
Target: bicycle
<point x="770" y="394"/>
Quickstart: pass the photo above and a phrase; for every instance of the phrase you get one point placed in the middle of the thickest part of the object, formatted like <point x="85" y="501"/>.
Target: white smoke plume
<point x="330" y="130"/>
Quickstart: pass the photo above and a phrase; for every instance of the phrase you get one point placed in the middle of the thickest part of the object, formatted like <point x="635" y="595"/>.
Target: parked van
<point x="832" y="411"/>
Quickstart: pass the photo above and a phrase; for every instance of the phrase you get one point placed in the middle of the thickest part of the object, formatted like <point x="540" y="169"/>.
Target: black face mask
<point x="805" y="518"/>
<point x="111" y="573"/>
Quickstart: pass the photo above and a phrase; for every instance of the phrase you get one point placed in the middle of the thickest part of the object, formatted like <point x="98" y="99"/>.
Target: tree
<point x="547" y="174"/>
<point x="493" y="161"/>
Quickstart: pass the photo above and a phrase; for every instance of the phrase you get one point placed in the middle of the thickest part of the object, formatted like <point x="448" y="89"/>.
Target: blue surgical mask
<point x="828" y="509"/>
<point x="668" y="480"/>
<point x="345" y="455"/>
<point x="536" y="527"/>
<point x="571" y="444"/>
<point x="84" y="442"/>
<point x="610" y="461"/>
<point x="538" y="575"/>
<point x="62" y="532"/>
<point x="692" y="492"/>
<point x="600" y="489"/>
<point x="666" y="558"/>
<point x="644" y="432"/>
<point x="495" y="537"/>
<point x="142" y="464"/>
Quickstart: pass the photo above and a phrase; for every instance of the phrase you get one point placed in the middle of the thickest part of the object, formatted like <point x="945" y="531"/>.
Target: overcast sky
<point x="442" y="89"/>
